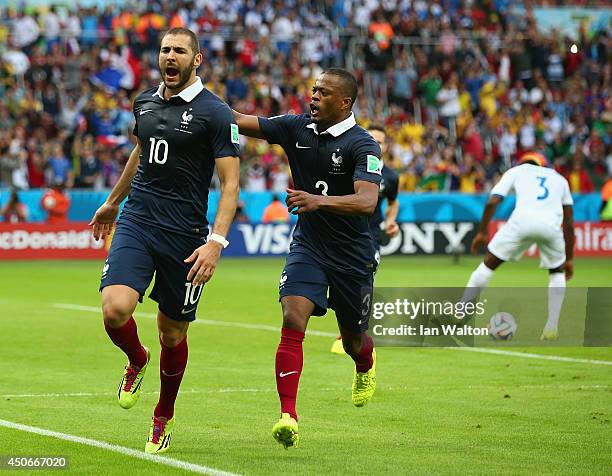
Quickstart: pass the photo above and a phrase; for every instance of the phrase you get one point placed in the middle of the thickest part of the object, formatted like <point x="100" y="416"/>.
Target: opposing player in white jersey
<point x="542" y="215"/>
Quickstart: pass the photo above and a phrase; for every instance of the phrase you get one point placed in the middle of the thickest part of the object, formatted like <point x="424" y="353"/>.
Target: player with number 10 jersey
<point x="184" y="132"/>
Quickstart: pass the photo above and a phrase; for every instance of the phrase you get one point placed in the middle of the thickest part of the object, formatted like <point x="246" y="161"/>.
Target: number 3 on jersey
<point x="323" y="185"/>
<point x="544" y="187"/>
<point x="154" y="150"/>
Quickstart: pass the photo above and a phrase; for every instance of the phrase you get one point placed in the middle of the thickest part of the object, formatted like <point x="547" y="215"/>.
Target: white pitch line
<point x="106" y="394"/>
<point x="271" y="389"/>
<point x="183" y="392"/>
<point x="527" y="355"/>
<point x="210" y="322"/>
<point x="175" y="463"/>
<point x="263" y="327"/>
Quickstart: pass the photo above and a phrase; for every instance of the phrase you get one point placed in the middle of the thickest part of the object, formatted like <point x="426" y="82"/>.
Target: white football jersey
<point x="540" y="192"/>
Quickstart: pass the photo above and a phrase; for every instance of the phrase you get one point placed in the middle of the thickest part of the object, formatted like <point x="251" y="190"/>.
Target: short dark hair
<point x="179" y="30"/>
<point x="377" y="126"/>
<point x="349" y="82"/>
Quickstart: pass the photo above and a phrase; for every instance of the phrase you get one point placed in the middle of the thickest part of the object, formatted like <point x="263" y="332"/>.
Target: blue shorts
<point x="138" y="251"/>
<point x="304" y="276"/>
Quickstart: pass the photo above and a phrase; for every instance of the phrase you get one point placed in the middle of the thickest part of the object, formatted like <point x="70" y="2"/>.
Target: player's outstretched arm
<point x="568" y="236"/>
<point x="362" y="202"/>
<point x="205" y="257"/>
<point x="487" y="214"/>
<point x="248" y="125"/>
<point x="106" y="215"/>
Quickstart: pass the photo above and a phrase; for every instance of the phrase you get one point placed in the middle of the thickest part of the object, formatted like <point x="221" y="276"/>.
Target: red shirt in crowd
<point x="57" y="204"/>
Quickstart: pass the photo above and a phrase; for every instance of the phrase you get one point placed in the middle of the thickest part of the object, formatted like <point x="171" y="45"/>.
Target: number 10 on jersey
<point x="154" y="150"/>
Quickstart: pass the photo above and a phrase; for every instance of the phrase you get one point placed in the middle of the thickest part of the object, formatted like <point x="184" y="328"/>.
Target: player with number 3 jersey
<point x="336" y="168"/>
<point x="542" y="215"/>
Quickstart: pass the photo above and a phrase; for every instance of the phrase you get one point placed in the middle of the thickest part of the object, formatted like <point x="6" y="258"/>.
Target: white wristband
<point x="219" y="239"/>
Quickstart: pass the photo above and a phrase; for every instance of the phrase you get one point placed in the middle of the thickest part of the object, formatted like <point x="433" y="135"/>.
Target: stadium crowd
<point x="463" y="86"/>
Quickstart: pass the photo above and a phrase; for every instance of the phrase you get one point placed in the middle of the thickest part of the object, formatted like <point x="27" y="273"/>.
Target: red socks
<point x="126" y="338"/>
<point x="289" y="359"/>
<point x="172" y="363"/>
<point x="364" y="360"/>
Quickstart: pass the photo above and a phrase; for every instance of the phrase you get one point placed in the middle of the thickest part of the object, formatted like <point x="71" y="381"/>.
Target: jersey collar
<point x="186" y="94"/>
<point x="337" y="129"/>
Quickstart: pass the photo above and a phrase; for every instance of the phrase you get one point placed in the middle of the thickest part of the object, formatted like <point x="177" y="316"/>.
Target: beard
<point x="183" y="76"/>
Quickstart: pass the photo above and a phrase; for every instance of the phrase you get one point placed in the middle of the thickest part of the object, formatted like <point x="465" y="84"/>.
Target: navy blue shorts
<point x="139" y="251"/>
<point x="305" y="276"/>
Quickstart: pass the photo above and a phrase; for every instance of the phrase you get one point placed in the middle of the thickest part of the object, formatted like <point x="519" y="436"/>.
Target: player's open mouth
<point x="172" y="73"/>
<point x="314" y="110"/>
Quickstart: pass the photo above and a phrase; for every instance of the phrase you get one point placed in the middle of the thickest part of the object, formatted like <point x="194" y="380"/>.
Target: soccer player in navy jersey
<point x="336" y="169"/>
<point x="183" y="132"/>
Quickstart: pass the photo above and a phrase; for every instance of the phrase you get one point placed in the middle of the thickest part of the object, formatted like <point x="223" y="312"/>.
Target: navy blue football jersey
<point x="180" y="139"/>
<point x="328" y="164"/>
<point x="388" y="190"/>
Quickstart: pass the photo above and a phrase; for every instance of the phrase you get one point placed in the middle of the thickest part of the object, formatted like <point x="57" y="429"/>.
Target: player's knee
<point x="351" y="346"/>
<point x="293" y="318"/>
<point x="116" y="311"/>
<point x="172" y="337"/>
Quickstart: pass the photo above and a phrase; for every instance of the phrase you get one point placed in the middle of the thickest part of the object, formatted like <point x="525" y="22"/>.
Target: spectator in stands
<point x="512" y="82"/>
<point x="471" y="175"/>
<point x="51" y="28"/>
<point x="56" y="203"/>
<point x="59" y="167"/>
<point x="378" y="52"/>
<point x="14" y="211"/>
<point x="256" y="178"/>
<point x="606" y="200"/>
<point x="36" y="164"/>
<point x="429" y="86"/>
<point x="275" y="212"/>
<point x="90" y="168"/>
<point x="404" y="77"/>
<point x="448" y="102"/>
<point x="578" y="178"/>
<point x="25" y="31"/>
<point x="491" y="172"/>
<point x="241" y="216"/>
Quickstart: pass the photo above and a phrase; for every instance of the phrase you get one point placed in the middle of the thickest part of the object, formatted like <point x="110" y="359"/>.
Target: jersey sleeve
<point x="135" y="129"/>
<point x="505" y="184"/>
<point x="225" y="141"/>
<point x="368" y="164"/>
<point x="566" y="197"/>
<point x="278" y="129"/>
<point x="392" y="187"/>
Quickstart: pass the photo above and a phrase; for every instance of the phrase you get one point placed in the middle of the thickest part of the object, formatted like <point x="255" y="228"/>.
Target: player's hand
<point x="392" y="229"/>
<point x="569" y="270"/>
<point x="299" y="201"/>
<point x="103" y="220"/>
<point x="477" y="242"/>
<point x="204" y="261"/>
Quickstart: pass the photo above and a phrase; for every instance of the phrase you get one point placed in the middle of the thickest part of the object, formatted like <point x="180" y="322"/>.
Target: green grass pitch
<point x="436" y="411"/>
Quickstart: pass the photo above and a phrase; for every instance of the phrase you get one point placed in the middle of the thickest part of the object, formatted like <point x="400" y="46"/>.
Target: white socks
<point x="478" y="281"/>
<point x="556" y="294"/>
